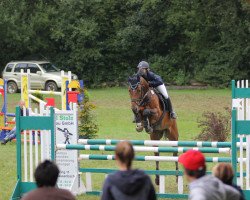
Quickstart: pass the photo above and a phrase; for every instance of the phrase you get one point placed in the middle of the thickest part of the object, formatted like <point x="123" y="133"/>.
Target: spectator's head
<point x="224" y="172"/>
<point x="194" y="164"/>
<point x="21" y="103"/>
<point x="46" y="174"/>
<point x="124" y="154"/>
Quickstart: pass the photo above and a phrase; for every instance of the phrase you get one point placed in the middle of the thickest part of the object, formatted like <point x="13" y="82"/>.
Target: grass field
<point x="115" y="121"/>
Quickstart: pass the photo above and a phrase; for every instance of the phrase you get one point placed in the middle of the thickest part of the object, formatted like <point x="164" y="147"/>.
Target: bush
<point x="181" y="78"/>
<point x="214" y="126"/>
<point x="87" y="123"/>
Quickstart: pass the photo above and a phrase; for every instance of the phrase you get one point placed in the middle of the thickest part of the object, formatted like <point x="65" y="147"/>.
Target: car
<point x="43" y="75"/>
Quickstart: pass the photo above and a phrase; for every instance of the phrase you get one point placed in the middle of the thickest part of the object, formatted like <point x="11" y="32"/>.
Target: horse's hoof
<point x="157" y="181"/>
<point x="139" y="127"/>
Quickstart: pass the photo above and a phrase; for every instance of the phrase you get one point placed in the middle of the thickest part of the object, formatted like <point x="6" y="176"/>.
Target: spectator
<point x="127" y="183"/>
<point x="12" y="134"/>
<point x="224" y="172"/>
<point x="46" y="175"/>
<point x="202" y="186"/>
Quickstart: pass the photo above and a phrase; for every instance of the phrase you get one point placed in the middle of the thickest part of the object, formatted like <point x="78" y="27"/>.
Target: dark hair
<point x="125" y="153"/>
<point x="224" y="172"/>
<point x="46" y="174"/>
<point x="196" y="173"/>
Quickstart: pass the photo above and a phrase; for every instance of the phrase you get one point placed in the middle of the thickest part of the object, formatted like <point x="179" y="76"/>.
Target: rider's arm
<point x="154" y="79"/>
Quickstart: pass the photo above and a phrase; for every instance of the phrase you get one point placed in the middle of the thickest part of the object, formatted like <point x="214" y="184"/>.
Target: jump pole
<point x="144" y="148"/>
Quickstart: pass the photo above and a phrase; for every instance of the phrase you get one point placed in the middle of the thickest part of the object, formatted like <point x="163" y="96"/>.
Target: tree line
<point x="102" y="41"/>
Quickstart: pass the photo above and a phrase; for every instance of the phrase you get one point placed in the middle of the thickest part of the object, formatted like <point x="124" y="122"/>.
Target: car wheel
<point x="51" y="86"/>
<point x="11" y="87"/>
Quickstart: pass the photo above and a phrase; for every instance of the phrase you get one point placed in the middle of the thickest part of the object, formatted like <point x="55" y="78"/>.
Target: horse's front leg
<point x="156" y="136"/>
<point x="157" y="181"/>
<point x="147" y="113"/>
<point x="137" y="119"/>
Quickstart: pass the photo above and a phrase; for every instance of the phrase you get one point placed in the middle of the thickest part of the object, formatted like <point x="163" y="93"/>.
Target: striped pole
<point x="143" y="149"/>
<point x="151" y="158"/>
<point x="160" y="143"/>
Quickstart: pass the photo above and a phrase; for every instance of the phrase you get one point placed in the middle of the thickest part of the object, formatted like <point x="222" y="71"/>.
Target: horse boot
<point x="137" y="121"/>
<point x="147" y="127"/>
<point x="134" y="119"/>
<point x="172" y="113"/>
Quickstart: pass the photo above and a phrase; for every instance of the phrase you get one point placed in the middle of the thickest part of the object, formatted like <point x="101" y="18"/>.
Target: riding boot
<point x="172" y="113"/>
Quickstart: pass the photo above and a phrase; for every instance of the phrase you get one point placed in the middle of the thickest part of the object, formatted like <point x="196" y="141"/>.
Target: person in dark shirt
<point x="155" y="81"/>
<point x="225" y="173"/>
<point x="46" y="175"/>
<point x="127" y="183"/>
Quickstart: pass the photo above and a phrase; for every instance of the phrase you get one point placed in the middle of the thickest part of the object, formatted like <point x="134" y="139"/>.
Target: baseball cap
<point x="192" y="160"/>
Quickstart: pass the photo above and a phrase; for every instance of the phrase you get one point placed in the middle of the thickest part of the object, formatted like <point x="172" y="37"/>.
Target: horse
<point x="151" y="114"/>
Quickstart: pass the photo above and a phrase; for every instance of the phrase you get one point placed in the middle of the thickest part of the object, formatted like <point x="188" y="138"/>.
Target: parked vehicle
<point x="43" y="75"/>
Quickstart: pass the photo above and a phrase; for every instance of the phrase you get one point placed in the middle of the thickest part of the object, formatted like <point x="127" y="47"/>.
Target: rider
<point x="156" y="82"/>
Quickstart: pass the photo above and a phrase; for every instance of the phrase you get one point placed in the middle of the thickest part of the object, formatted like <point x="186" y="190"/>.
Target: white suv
<point x="43" y="75"/>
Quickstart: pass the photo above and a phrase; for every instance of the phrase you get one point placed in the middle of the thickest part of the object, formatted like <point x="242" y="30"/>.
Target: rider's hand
<point x="140" y="72"/>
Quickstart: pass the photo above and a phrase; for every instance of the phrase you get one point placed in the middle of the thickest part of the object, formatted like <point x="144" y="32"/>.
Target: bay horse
<point x="151" y="114"/>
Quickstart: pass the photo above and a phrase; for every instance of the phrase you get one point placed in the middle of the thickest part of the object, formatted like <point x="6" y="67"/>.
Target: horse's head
<point x="138" y="87"/>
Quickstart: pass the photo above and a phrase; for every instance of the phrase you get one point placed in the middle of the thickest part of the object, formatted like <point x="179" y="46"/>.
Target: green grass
<point x="115" y="121"/>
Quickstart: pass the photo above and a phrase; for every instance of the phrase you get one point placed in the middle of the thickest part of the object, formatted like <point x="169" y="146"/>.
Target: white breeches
<point x="162" y="89"/>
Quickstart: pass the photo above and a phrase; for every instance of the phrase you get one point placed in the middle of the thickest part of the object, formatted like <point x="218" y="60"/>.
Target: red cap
<point x="192" y="160"/>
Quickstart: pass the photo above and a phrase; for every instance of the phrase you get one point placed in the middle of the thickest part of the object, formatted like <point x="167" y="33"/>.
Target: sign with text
<point x="66" y="132"/>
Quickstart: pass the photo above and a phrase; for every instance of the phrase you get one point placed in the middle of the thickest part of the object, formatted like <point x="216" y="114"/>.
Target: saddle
<point x="164" y="103"/>
<point x="165" y="109"/>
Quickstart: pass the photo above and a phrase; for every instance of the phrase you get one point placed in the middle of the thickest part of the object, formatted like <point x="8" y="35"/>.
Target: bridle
<point x="142" y="100"/>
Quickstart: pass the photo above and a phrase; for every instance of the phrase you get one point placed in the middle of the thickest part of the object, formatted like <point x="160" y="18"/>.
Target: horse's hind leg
<point x="174" y="136"/>
<point x="176" y="166"/>
<point x="146" y="114"/>
<point x="156" y="136"/>
<point x="157" y="180"/>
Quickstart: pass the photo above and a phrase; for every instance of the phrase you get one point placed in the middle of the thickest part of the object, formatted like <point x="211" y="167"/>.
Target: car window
<point x="48" y="67"/>
<point x="21" y="66"/>
<point x="9" y="67"/>
<point x="33" y="68"/>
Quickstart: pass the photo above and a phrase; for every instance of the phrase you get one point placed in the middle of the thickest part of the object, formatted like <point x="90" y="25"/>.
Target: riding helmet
<point x="143" y="65"/>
